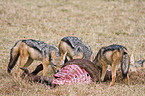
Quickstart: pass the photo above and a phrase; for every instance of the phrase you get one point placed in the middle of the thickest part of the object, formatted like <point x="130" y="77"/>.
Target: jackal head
<point x="57" y="61"/>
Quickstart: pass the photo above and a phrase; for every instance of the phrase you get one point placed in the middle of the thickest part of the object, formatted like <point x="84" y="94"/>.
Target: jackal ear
<point x="92" y="58"/>
<point x="132" y="59"/>
<point x="79" y="49"/>
<point x="53" y="54"/>
<point x="64" y="56"/>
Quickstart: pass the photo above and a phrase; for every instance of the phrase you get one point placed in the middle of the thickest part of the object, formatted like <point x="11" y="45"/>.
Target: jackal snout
<point x="57" y="62"/>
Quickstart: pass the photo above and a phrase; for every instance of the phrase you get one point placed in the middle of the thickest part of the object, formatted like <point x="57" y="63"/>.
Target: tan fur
<point x="92" y="58"/>
<point x="135" y="66"/>
<point x="28" y="54"/>
<point x="143" y="64"/>
<point x="112" y="58"/>
<point x="58" y="61"/>
<point x="64" y="47"/>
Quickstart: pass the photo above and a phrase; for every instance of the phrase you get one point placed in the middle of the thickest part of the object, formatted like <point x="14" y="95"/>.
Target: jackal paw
<point x="111" y="84"/>
<point x="102" y="79"/>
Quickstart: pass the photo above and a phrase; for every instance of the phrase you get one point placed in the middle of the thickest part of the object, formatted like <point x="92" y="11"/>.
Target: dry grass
<point x="97" y="22"/>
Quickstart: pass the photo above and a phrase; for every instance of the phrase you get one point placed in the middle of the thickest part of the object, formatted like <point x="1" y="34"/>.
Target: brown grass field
<point x="97" y="22"/>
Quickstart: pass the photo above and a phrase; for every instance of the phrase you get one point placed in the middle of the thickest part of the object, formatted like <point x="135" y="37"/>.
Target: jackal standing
<point x="75" y="48"/>
<point x="29" y="50"/>
<point x="113" y="55"/>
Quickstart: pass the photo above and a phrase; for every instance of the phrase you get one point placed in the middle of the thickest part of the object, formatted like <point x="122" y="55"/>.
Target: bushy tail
<point x="14" y="54"/>
<point x="125" y="63"/>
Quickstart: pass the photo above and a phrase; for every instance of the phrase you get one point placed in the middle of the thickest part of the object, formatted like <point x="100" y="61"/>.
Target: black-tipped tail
<point x="13" y="59"/>
<point x="125" y="63"/>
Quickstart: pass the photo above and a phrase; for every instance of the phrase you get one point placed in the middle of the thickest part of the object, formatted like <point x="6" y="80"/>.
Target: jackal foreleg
<point x="45" y="64"/>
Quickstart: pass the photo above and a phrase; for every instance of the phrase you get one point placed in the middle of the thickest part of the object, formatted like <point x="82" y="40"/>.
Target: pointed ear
<point x="92" y="58"/>
<point x="64" y="56"/>
<point x="79" y="49"/>
<point x="53" y="54"/>
<point x="132" y="59"/>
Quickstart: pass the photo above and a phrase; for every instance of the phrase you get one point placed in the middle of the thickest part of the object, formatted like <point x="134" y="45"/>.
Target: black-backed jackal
<point x="135" y="66"/>
<point x="75" y="48"/>
<point x="29" y="50"/>
<point x="113" y="55"/>
<point x="140" y="64"/>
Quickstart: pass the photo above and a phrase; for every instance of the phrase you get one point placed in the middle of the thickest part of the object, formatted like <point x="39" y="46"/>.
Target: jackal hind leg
<point x="128" y="83"/>
<point x="104" y="69"/>
<point x="113" y="74"/>
<point x="23" y="61"/>
<point x="116" y="59"/>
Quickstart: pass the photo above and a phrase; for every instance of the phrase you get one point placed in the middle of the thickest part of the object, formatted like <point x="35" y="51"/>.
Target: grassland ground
<point x="97" y="22"/>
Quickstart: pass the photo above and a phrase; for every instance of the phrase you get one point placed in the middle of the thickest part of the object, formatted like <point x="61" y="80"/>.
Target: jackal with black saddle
<point x="75" y="48"/>
<point x="30" y="50"/>
<point x="113" y="55"/>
